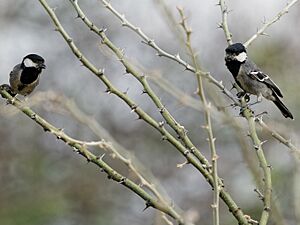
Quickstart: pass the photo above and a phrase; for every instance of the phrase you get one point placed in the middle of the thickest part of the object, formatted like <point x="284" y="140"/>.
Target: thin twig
<point x="208" y="126"/>
<point x="280" y="138"/>
<point x="81" y="149"/>
<point x="261" y="31"/>
<point x="224" y="23"/>
<point x="146" y="178"/>
<point x="178" y="128"/>
<point x="235" y="210"/>
<point x="267" y="187"/>
<point x="160" y="52"/>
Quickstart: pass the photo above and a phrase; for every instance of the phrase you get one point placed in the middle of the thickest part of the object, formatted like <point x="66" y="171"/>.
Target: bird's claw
<point x="243" y="94"/>
<point x="8" y="89"/>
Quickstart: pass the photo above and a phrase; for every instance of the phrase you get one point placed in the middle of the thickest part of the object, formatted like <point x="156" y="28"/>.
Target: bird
<point x="25" y="76"/>
<point x="251" y="79"/>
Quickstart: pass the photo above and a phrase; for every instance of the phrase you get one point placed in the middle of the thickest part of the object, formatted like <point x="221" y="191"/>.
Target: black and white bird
<point x="25" y="76"/>
<point x="251" y="79"/>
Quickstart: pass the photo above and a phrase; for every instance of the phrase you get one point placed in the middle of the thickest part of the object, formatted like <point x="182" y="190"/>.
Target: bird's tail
<point x="283" y="109"/>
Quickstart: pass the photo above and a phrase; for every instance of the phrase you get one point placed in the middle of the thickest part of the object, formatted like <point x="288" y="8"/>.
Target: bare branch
<point x="224" y="23"/>
<point x="207" y="113"/>
<point x="160" y="52"/>
<point x="261" y="31"/>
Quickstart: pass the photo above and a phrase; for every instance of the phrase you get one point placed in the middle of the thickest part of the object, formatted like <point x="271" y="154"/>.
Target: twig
<point x="235" y="210"/>
<point x="224" y="23"/>
<point x="146" y="178"/>
<point x="276" y="135"/>
<point x="268" y="24"/>
<point x="267" y="187"/>
<point x="90" y="157"/>
<point x="208" y="126"/>
<point x="160" y="52"/>
<point x="179" y="129"/>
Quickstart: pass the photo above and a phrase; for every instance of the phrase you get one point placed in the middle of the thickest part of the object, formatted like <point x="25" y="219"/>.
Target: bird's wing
<point x="264" y="78"/>
<point x="14" y="77"/>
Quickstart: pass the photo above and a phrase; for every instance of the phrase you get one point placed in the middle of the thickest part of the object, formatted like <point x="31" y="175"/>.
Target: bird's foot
<point x="7" y="88"/>
<point x="258" y="100"/>
<point x="243" y="94"/>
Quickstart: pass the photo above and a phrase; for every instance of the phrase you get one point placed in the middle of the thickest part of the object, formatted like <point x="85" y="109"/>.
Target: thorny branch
<point x="261" y="31"/>
<point x="160" y="52"/>
<point x="235" y="210"/>
<point x="207" y="113"/>
<point x="81" y="148"/>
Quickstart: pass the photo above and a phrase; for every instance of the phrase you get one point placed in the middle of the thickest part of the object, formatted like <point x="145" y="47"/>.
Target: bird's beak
<point x="42" y="66"/>
<point x="229" y="57"/>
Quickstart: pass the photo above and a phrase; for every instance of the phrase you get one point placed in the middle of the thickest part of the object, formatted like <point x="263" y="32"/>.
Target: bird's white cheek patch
<point x="29" y="63"/>
<point x="241" y="57"/>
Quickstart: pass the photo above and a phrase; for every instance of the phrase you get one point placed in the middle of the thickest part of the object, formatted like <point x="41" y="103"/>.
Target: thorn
<point x="75" y="149"/>
<point x="186" y="152"/>
<point x="263" y="142"/>
<point x="177" y="56"/>
<point x="163" y="138"/>
<point x="260" y="195"/>
<point x="133" y="108"/>
<point x="46" y="129"/>
<point x="161" y="123"/>
<point x="220" y="26"/>
<point x="139" y="117"/>
<point x="265" y="34"/>
<point x="33" y="116"/>
<point x="122" y="181"/>
<point x="181" y="165"/>
<point x="192" y="149"/>
<point x="150" y="42"/>
<point x="125" y="92"/>
<point x="108" y="91"/>
<point x="100" y="157"/>
<point x="148" y="204"/>
<point x="161" y="110"/>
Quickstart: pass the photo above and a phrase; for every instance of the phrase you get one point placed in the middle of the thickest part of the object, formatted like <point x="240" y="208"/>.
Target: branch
<point x="224" y="23"/>
<point x="117" y="151"/>
<point x="160" y="52"/>
<point x="280" y="138"/>
<point x="235" y="210"/>
<point x="179" y="129"/>
<point x="267" y="192"/>
<point x="208" y="126"/>
<point x="268" y="24"/>
<point x="81" y="149"/>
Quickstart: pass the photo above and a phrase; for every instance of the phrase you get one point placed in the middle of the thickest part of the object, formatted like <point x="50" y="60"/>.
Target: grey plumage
<point x="251" y="79"/>
<point x="248" y="79"/>
<point x="16" y="86"/>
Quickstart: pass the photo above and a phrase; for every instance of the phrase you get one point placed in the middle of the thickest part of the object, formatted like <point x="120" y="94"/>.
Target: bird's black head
<point x="236" y="52"/>
<point x="34" y="60"/>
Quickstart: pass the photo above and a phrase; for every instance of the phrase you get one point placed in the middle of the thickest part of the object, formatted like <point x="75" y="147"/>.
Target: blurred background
<point x="43" y="182"/>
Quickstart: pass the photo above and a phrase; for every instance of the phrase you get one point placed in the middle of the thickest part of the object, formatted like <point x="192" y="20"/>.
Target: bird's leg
<point x="240" y="94"/>
<point x="258" y="100"/>
<point x="243" y="94"/>
<point x="7" y="88"/>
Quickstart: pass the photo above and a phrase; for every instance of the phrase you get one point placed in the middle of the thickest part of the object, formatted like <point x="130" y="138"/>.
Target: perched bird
<point x="25" y="76"/>
<point x="251" y="79"/>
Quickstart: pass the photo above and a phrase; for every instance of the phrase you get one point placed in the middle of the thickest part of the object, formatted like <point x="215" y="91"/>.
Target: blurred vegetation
<point x="42" y="182"/>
